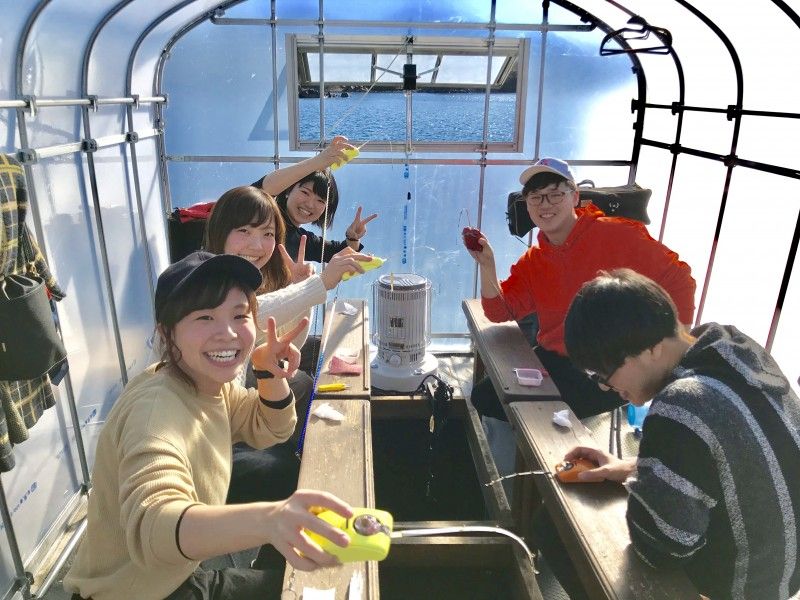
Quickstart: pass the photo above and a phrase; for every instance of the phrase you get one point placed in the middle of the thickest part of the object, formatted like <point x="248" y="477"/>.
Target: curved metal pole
<point x="23" y="41"/>
<point x="787" y="271"/>
<point x="132" y="143"/>
<point x="22" y="578"/>
<point x="638" y="71"/>
<point x="678" y="131"/>
<point x="163" y="179"/>
<point x="737" y="121"/>
<point x="37" y="220"/>
<point x="98" y="215"/>
<point x="158" y="74"/>
<point x="679" y="126"/>
<point x="640" y="106"/>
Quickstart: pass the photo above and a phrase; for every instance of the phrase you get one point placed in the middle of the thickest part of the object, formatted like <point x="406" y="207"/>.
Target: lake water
<point x="381" y="116"/>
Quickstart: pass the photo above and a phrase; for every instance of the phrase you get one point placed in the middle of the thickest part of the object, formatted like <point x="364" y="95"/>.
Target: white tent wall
<point x="100" y="215"/>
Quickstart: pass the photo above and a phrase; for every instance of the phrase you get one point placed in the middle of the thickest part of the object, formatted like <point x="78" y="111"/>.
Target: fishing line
<point x="512" y="475"/>
<point x="369" y="89"/>
<point x="321" y="350"/>
<point x="407" y="533"/>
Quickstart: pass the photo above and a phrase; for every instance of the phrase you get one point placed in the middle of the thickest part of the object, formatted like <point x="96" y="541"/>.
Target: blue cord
<point x="320" y="360"/>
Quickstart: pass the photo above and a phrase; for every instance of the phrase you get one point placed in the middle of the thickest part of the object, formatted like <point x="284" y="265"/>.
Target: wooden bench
<point x="590" y="518"/>
<point x="346" y="333"/>
<point x="499" y="349"/>
<point x="337" y="458"/>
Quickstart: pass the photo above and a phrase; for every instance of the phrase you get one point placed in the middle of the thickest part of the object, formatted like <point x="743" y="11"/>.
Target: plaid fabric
<point x="22" y="402"/>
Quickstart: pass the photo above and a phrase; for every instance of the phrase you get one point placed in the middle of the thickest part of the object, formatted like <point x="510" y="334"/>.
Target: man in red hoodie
<point x="573" y="245"/>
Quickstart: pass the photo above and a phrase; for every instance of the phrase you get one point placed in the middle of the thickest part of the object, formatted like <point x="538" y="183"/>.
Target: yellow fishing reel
<point x="369" y="530"/>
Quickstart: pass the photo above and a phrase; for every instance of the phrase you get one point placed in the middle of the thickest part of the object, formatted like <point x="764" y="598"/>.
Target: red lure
<point x="471" y="236"/>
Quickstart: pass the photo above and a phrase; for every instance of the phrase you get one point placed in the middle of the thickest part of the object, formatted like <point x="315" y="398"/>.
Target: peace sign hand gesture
<point x="298" y="270"/>
<point x="358" y="228"/>
<point x="277" y="354"/>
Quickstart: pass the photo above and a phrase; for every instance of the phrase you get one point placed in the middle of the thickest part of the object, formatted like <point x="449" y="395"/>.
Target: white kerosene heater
<point x="402" y="307"/>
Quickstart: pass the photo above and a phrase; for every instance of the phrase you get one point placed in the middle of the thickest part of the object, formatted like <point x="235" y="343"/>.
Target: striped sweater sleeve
<point x="671" y="498"/>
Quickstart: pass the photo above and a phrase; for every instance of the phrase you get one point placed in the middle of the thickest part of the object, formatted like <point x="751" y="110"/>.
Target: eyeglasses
<point x="600" y="379"/>
<point x="553" y="198"/>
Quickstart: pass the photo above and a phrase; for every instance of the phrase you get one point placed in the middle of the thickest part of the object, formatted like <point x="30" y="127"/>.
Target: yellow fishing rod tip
<point x="350" y="154"/>
<point x="376" y="262"/>
<point x="332" y="387"/>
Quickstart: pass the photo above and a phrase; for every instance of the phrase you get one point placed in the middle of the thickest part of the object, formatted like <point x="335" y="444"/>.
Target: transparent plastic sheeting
<point x="586" y="105"/>
<point x="220" y="100"/>
<point x="754" y="242"/>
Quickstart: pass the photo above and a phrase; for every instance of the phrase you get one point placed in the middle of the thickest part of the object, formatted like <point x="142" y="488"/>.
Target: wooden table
<point x="499" y="349"/>
<point x="348" y="334"/>
<point x="337" y="458"/>
<point x="590" y="518"/>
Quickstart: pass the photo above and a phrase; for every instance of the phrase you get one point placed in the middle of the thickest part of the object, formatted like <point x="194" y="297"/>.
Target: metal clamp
<point x="132" y="137"/>
<point x="24" y="583"/>
<point x="92" y="98"/>
<point x="27" y="156"/>
<point x="30" y="102"/>
<point x="731" y="160"/>
<point x="675" y="148"/>
<point x="135" y="100"/>
<point x="677" y="108"/>
<point x="89" y="145"/>
<point x="733" y="111"/>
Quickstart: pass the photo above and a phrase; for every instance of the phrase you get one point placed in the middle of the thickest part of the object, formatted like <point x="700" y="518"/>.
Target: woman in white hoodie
<point x="247" y="222"/>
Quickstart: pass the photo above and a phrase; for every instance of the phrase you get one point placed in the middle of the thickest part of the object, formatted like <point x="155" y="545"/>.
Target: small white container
<point x="529" y="377"/>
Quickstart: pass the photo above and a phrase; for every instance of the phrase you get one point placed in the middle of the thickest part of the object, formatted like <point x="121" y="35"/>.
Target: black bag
<point x="628" y="201"/>
<point x="29" y="342"/>
<point x="184" y="236"/>
<point x="519" y="221"/>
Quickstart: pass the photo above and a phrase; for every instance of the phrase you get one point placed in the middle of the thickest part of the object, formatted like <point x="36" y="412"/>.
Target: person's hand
<point x="358" y="228"/>
<point x="286" y="521"/>
<point x="484" y="257"/>
<point x="344" y="261"/>
<point x="334" y="153"/>
<point x="609" y="466"/>
<point x="298" y="269"/>
<point x="270" y="355"/>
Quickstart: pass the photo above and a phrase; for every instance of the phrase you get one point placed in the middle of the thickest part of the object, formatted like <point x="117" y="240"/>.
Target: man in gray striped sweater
<point x="716" y="486"/>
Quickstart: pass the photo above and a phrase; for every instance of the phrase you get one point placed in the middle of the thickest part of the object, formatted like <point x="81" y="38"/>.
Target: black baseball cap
<point x="202" y="264"/>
